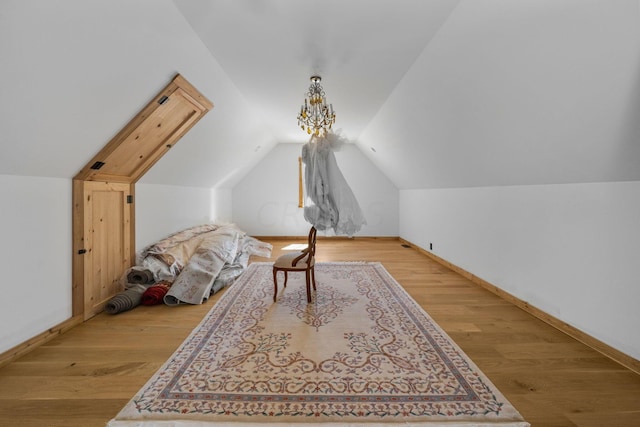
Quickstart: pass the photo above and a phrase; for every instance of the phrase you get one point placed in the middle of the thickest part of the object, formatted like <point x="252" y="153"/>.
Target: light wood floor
<point x="85" y="376"/>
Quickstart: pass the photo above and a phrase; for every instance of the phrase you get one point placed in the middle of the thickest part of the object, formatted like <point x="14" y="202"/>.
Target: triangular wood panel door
<point x="103" y="202"/>
<point x="149" y="135"/>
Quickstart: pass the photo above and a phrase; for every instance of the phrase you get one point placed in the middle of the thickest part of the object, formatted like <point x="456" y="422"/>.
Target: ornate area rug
<point x="363" y="353"/>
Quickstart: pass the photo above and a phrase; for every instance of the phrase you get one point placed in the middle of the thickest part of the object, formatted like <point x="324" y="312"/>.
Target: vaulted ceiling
<point x="437" y="93"/>
<point x="361" y="49"/>
<point x="446" y="93"/>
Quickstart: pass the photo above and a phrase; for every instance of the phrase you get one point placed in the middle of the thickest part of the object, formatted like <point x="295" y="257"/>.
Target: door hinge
<point x="162" y="100"/>
<point x="97" y="165"/>
<point x="129" y="199"/>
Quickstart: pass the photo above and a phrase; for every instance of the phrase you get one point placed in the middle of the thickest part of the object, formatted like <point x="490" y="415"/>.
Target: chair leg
<point x="275" y="284"/>
<point x="286" y="276"/>
<point x="313" y="277"/>
<point x="308" y="286"/>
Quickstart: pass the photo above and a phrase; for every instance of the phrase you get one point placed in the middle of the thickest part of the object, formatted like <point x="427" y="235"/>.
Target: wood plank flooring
<point x="85" y="376"/>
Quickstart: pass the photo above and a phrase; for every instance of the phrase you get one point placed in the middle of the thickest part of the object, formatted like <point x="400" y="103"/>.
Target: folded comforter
<point x="201" y="260"/>
<point x="194" y="283"/>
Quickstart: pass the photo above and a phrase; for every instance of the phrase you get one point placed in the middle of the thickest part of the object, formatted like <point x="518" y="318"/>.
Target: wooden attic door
<point x="107" y="241"/>
<point x="103" y="193"/>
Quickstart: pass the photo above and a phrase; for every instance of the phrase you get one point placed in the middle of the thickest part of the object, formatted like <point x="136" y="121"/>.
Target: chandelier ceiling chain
<point x="315" y="116"/>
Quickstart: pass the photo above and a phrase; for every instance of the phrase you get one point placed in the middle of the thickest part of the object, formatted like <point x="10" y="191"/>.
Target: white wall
<point x="82" y="70"/>
<point x="36" y="250"/>
<point x="265" y="202"/>
<point x="570" y="250"/>
<point x="220" y="210"/>
<point x="35" y="256"/>
<point x="165" y="209"/>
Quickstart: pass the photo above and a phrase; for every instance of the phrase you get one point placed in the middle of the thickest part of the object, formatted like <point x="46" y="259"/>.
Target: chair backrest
<point x="312" y="241"/>
<point x="309" y="252"/>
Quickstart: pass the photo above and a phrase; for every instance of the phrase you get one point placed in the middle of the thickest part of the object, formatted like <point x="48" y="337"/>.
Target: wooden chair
<point x="298" y="261"/>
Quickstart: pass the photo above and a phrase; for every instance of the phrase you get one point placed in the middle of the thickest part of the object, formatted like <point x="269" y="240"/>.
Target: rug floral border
<point x="404" y="368"/>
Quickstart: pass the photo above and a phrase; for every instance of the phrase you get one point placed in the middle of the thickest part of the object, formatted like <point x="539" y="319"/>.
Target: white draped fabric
<point x="330" y="203"/>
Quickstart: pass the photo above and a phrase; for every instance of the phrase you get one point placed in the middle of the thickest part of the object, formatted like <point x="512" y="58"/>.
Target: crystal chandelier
<point x="315" y="116"/>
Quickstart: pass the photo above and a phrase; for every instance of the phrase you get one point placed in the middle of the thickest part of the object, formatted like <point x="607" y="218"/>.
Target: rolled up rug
<point x="125" y="300"/>
<point x="140" y="275"/>
<point x="155" y="293"/>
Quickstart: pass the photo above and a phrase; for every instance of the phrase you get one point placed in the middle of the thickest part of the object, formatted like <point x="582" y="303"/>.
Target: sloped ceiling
<point x="447" y="93"/>
<point x="438" y="93"/>
<point x="518" y="93"/>
<point x="360" y="48"/>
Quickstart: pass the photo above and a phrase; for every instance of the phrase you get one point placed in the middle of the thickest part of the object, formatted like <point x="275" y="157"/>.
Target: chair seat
<point x="285" y="262"/>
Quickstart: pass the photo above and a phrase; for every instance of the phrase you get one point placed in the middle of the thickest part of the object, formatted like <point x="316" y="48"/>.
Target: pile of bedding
<point x="191" y="265"/>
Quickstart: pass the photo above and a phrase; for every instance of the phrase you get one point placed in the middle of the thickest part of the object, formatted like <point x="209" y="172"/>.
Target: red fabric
<point x="155" y="294"/>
